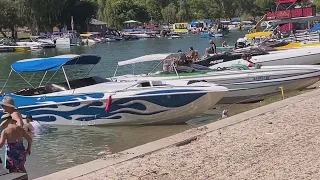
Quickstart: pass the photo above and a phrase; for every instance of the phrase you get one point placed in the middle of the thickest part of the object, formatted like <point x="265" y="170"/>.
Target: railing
<point x="309" y="37"/>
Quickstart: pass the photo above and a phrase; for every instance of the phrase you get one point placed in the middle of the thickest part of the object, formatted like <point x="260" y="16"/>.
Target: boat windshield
<point x="58" y="87"/>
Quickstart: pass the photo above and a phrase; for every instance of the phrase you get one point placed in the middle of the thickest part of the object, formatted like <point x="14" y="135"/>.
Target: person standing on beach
<point x="8" y="106"/>
<point x="12" y="136"/>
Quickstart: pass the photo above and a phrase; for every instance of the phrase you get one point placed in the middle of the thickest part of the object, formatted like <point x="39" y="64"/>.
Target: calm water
<point x="64" y="146"/>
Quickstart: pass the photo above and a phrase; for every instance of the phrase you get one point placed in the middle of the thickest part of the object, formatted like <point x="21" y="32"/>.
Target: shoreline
<point x="132" y="160"/>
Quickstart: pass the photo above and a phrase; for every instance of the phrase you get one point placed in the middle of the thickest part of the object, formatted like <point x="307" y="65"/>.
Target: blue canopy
<point x="315" y="28"/>
<point x="194" y="24"/>
<point x="235" y="20"/>
<point x="206" y="21"/>
<point x="53" y="63"/>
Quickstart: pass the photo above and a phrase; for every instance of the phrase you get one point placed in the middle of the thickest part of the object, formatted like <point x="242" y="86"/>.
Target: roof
<point x="97" y="22"/>
<point x="53" y="63"/>
<point x="146" y="58"/>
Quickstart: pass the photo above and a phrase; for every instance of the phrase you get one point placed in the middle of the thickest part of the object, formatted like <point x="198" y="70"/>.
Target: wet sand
<point x="280" y="144"/>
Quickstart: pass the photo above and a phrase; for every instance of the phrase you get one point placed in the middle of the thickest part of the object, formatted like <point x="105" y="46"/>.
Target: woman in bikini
<point x="12" y="136"/>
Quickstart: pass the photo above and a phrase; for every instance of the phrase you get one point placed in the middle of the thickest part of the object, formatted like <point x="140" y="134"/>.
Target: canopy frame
<point x="133" y="64"/>
<point x="43" y="77"/>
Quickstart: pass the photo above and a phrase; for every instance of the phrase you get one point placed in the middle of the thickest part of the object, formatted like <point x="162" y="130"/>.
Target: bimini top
<point x="53" y="63"/>
<point x="147" y="58"/>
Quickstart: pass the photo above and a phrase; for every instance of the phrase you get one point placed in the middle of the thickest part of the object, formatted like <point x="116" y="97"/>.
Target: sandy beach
<point x="282" y="144"/>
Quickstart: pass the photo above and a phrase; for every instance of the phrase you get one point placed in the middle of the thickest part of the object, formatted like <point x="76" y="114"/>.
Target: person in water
<point x="212" y="48"/>
<point x="32" y="127"/>
<point x="12" y="136"/>
<point x="8" y="106"/>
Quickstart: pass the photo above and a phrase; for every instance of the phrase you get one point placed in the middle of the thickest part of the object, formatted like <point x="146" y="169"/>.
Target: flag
<point x="108" y="104"/>
<point x="72" y="23"/>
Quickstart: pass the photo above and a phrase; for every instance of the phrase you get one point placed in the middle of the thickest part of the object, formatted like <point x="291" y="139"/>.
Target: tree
<point x="169" y="13"/>
<point x="183" y="13"/>
<point x="82" y="12"/>
<point x="154" y="9"/>
<point x="317" y="4"/>
<point x="10" y="16"/>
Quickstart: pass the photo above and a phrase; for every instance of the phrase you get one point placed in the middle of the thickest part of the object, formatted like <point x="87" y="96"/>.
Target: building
<point x="97" y="26"/>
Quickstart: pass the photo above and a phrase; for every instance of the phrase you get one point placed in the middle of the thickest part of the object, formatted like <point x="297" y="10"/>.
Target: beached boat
<point x="230" y="55"/>
<point x="99" y="101"/>
<point x="300" y="56"/>
<point x="244" y="84"/>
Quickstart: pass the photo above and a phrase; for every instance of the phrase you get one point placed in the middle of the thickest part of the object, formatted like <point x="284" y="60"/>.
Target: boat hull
<point x="250" y="85"/>
<point x="256" y="93"/>
<point x="145" y="109"/>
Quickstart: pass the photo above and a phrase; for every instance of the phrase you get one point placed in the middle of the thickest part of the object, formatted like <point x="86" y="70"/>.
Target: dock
<point x="14" y="176"/>
<point x="276" y="141"/>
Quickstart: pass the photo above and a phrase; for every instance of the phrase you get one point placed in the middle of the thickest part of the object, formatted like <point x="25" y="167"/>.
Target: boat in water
<point x="300" y="56"/>
<point x="230" y="55"/>
<point x="244" y="84"/>
<point x="99" y="101"/>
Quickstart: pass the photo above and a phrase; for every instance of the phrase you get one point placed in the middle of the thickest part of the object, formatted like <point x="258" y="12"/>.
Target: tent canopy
<point x="53" y="63"/>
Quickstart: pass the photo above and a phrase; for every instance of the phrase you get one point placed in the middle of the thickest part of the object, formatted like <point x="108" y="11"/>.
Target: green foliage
<point x="317" y="4"/>
<point x="44" y="14"/>
<point x="169" y="13"/>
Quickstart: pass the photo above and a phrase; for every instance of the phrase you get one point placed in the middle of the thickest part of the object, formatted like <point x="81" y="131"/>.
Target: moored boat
<point x="244" y="84"/>
<point x="98" y="101"/>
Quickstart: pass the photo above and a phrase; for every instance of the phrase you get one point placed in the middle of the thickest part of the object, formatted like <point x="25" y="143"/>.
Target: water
<point x="64" y="146"/>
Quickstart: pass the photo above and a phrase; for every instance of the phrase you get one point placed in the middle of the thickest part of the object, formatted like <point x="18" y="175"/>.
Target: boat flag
<point x="72" y="23"/>
<point x="108" y="103"/>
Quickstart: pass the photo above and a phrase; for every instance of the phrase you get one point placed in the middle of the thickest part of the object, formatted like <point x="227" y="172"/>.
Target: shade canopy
<point x="53" y="63"/>
<point x="315" y="28"/>
<point x="146" y="58"/>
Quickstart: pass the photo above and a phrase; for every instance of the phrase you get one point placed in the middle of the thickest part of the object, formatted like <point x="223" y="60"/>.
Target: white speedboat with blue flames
<point x="99" y="101"/>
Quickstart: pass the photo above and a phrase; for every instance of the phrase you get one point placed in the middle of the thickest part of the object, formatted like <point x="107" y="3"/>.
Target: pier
<point x="276" y="141"/>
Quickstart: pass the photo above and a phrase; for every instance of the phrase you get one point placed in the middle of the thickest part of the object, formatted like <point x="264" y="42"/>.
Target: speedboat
<point x="227" y="56"/>
<point x="244" y="84"/>
<point x="301" y="56"/>
<point x="99" y="101"/>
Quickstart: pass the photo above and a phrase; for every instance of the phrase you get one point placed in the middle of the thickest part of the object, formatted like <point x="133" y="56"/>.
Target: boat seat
<point x="240" y="66"/>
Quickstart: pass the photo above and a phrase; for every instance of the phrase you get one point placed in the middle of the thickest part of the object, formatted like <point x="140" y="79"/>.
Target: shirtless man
<point x="13" y="136"/>
<point x="8" y="106"/>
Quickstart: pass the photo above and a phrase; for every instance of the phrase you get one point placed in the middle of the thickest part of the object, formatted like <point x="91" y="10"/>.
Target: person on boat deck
<point x="182" y="59"/>
<point x="166" y="65"/>
<point x="247" y="57"/>
<point x="191" y="56"/>
<point x="197" y="56"/>
<point x="12" y="136"/>
<point x="206" y="54"/>
<point x="224" y="44"/>
<point x="212" y="48"/>
<point x="32" y="127"/>
<point x="8" y="106"/>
